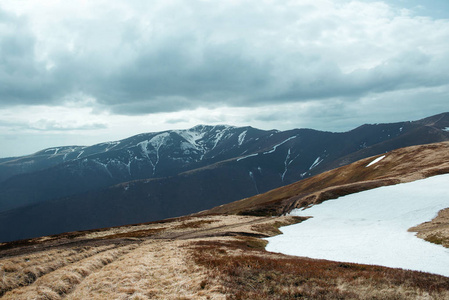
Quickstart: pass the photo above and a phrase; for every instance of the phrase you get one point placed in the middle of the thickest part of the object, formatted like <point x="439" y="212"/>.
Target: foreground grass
<point x="25" y="269"/>
<point x="214" y="257"/>
<point x="246" y="271"/>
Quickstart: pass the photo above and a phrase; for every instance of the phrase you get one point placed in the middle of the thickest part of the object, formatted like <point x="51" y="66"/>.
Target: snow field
<point x="370" y="227"/>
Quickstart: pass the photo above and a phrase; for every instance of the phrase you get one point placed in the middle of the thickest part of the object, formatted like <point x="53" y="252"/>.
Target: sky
<point x="84" y="72"/>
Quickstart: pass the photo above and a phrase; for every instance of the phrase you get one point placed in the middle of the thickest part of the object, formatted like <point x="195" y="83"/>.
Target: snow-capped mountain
<point x="165" y="174"/>
<point x="151" y="154"/>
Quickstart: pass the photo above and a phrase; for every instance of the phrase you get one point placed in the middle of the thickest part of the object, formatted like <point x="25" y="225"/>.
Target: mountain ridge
<point x="152" y="176"/>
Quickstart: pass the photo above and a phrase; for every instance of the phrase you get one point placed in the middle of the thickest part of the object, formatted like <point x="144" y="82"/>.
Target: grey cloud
<point x="177" y="121"/>
<point x="197" y="56"/>
<point x="51" y="125"/>
<point x="24" y="80"/>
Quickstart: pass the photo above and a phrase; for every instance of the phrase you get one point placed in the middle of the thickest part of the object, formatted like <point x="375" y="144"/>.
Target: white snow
<point x="111" y="145"/>
<point x="187" y="146"/>
<point x="370" y="227"/>
<point x="156" y="142"/>
<point x="287" y="163"/>
<point x="275" y="147"/>
<point x="220" y="135"/>
<point x="81" y="153"/>
<point x="317" y="161"/>
<point x="254" y="154"/>
<point x="242" y="137"/>
<point x="446" y="129"/>
<point x="254" y="181"/>
<point x="54" y="153"/>
<point x="144" y="147"/>
<point x="159" y="139"/>
<point x="375" y="161"/>
<point x="192" y="136"/>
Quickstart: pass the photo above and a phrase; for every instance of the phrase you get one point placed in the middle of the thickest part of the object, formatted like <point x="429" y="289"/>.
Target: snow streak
<point x="317" y="161"/>
<point x="287" y="163"/>
<point x="242" y="137"/>
<point x="251" y="155"/>
<point x="375" y="161"/>
<point x="254" y="180"/>
<point x="275" y="147"/>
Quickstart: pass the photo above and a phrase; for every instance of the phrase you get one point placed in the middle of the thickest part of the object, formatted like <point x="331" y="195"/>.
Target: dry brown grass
<point x="156" y="270"/>
<point x="248" y="272"/>
<point x="271" y="227"/>
<point x="25" y="269"/>
<point x="212" y="257"/>
<point x="435" y="231"/>
<point x="58" y="283"/>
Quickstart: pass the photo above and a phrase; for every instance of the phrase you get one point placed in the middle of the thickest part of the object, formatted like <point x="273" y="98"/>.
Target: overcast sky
<point x="83" y="72"/>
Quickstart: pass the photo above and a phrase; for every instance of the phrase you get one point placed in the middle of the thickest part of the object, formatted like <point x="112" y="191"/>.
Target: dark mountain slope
<point x="161" y="175"/>
<point x="400" y="165"/>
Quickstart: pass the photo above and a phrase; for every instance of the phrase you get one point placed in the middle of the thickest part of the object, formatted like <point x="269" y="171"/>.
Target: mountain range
<point x="222" y="252"/>
<point x="153" y="176"/>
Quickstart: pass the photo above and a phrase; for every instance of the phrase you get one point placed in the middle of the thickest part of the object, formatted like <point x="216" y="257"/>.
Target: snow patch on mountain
<point x="251" y="175"/>
<point x="287" y="163"/>
<point x="158" y="140"/>
<point x="446" y="129"/>
<point x="251" y="155"/>
<point x="375" y="161"/>
<point x="317" y="161"/>
<point x="192" y="136"/>
<point x="144" y="148"/>
<point x="220" y="134"/>
<point x="111" y="145"/>
<point x="280" y="144"/>
<point x="371" y="227"/>
<point x="242" y="137"/>
<point x="81" y="153"/>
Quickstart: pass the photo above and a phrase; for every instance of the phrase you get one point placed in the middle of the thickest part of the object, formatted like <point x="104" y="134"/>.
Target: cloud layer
<point x="312" y="60"/>
<point x="163" y="56"/>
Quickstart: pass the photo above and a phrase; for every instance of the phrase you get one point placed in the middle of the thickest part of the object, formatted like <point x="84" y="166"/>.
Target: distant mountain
<point x="154" y="176"/>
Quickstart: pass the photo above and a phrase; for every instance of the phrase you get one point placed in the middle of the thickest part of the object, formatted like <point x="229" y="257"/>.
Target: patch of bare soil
<point x="435" y="231"/>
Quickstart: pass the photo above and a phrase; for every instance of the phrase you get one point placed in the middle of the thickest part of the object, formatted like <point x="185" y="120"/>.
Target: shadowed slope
<point x="401" y="165"/>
